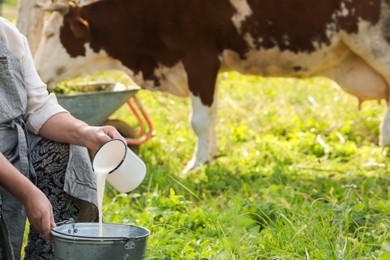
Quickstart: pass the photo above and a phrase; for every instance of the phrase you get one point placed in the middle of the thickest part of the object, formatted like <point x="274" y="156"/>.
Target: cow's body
<point x="180" y="46"/>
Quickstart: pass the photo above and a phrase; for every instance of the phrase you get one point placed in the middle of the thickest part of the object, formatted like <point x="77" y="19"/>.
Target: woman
<point x="45" y="171"/>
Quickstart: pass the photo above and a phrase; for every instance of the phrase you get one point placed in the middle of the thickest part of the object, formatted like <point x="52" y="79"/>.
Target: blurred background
<point x="8" y="9"/>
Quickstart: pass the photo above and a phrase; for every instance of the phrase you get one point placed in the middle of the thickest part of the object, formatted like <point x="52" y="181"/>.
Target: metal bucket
<point x="75" y="241"/>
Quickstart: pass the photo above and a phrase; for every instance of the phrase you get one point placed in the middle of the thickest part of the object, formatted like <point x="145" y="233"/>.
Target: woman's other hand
<point x="39" y="212"/>
<point x="38" y="208"/>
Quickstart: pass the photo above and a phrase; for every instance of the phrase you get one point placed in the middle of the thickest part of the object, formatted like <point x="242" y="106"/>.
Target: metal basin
<point x="81" y="241"/>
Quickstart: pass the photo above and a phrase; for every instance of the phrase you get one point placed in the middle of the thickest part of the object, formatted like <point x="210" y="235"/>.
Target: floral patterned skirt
<point x="50" y="161"/>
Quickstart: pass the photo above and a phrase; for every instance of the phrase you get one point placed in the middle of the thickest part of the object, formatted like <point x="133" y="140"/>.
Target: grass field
<point x="300" y="177"/>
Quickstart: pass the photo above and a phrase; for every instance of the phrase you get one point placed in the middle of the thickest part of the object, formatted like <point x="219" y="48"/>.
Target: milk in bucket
<point x="122" y="168"/>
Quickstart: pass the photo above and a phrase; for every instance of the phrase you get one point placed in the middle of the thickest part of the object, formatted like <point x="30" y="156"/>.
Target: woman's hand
<point x="39" y="212"/>
<point x="95" y="136"/>
<point x="38" y="208"/>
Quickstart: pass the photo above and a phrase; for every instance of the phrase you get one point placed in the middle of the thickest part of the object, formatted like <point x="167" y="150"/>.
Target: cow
<point x="180" y="46"/>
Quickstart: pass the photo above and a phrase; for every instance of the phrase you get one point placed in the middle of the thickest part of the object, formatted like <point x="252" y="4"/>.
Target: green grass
<point x="300" y="177"/>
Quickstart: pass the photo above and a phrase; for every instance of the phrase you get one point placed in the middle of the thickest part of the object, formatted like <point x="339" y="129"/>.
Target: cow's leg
<point x="202" y="70"/>
<point x="213" y="144"/>
<point x="201" y="123"/>
<point x="385" y="129"/>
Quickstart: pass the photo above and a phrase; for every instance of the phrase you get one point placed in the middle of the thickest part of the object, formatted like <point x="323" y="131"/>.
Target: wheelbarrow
<point x="97" y="101"/>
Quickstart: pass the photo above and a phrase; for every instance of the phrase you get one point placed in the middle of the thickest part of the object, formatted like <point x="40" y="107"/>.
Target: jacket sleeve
<point x="40" y="104"/>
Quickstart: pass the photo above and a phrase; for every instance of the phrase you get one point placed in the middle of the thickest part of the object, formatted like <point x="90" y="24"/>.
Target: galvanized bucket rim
<point x="57" y="234"/>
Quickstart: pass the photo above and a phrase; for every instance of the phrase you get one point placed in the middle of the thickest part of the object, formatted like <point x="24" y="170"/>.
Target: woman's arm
<point x="38" y="208"/>
<point x="65" y="128"/>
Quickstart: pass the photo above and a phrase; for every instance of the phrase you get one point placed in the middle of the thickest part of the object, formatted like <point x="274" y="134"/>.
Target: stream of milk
<point x="101" y="176"/>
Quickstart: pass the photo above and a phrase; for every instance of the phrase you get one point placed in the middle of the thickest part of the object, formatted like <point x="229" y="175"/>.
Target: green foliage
<point x="9" y="10"/>
<point x="76" y="88"/>
<point x="10" y="2"/>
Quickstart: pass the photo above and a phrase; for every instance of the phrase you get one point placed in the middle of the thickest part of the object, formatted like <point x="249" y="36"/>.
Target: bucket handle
<point x="64" y="222"/>
<point x="68" y="221"/>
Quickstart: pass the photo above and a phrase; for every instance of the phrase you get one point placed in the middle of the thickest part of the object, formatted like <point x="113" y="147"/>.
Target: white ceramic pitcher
<point x="126" y="170"/>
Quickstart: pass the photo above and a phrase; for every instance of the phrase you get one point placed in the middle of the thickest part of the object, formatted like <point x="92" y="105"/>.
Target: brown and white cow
<point x="180" y="46"/>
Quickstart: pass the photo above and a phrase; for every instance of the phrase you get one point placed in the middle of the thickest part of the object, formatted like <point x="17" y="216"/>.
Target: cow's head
<point x="64" y="51"/>
<point x="79" y="40"/>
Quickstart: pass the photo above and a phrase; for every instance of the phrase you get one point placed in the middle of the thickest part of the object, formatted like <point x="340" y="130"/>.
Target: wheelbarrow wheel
<point x="125" y="130"/>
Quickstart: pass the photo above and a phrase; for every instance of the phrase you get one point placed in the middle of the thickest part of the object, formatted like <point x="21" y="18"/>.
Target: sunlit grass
<point x="301" y="176"/>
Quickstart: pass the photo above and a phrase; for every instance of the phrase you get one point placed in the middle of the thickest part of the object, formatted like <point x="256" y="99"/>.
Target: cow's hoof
<point x="384" y="139"/>
<point x="191" y="165"/>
